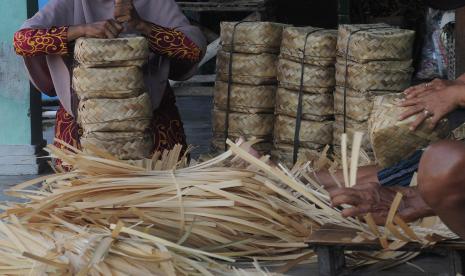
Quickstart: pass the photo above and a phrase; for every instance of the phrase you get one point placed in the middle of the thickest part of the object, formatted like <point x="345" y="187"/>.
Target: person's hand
<point x="375" y="199"/>
<point x="435" y="85"/>
<point x="434" y="103"/>
<point x="125" y="12"/>
<point x="103" y="29"/>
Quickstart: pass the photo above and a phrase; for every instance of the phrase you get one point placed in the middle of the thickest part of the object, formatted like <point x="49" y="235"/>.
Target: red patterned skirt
<point x="167" y="126"/>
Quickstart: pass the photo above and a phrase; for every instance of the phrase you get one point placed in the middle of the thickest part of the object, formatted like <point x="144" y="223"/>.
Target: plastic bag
<point x="434" y="60"/>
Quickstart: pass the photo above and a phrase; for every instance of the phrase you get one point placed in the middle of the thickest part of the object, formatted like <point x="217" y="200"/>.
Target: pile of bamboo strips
<point x="161" y="217"/>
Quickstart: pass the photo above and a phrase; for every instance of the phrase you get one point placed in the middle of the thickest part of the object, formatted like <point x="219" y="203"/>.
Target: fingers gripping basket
<point x="123" y="145"/>
<point x="245" y="98"/>
<point x="393" y="140"/>
<point x="321" y="45"/>
<point x="316" y="107"/>
<point x="252" y="37"/>
<point x="247" y="69"/>
<point x="132" y="114"/>
<point x="290" y="74"/>
<point x="108" y="82"/>
<point x="375" y="42"/>
<point x="126" y="51"/>
<point x="313" y="134"/>
<point x="243" y="124"/>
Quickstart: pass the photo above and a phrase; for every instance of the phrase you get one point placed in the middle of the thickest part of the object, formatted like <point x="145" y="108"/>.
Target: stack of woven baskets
<point x="306" y="71"/>
<point x="372" y="60"/>
<point x="245" y="90"/>
<point x="114" y="110"/>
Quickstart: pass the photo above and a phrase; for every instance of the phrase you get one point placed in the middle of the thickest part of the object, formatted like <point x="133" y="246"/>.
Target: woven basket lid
<point x="132" y="114"/>
<point x="313" y="134"/>
<point x="247" y="68"/>
<point x="243" y="124"/>
<point x="245" y="98"/>
<point x="125" y="51"/>
<point x="252" y="37"/>
<point x="315" y="107"/>
<point x="321" y="45"/>
<point x="371" y="42"/>
<point x="290" y="74"/>
<point x="379" y="75"/>
<point x="393" y="140"/>
<point x="123" y="145"/>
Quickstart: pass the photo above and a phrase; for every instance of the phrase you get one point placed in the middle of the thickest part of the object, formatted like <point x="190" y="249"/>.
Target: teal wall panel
<point x="15" y="97"/>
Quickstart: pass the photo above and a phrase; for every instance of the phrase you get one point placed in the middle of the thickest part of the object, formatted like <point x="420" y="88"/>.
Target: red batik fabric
<point x="173" y="44"/>
<point x="35" y="42"/>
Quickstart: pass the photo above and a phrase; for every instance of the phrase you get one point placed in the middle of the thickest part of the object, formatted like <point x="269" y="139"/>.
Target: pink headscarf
<point x="53" y="72"/>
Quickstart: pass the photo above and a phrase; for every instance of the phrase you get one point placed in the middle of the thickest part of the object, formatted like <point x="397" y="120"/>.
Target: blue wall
<point x="42" y="3"/>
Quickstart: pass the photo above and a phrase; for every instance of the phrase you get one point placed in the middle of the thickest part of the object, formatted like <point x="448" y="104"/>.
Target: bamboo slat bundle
<point x="108" y="217"/>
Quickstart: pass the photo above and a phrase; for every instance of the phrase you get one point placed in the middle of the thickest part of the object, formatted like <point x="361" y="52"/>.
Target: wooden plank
<point x="460" y="41"/>
<point x="195" y="80"/>
<point x="337" y="236"/>
<point x="189" y="91"/>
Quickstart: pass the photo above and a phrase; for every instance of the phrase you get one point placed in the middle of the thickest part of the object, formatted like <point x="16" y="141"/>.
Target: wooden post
<point x="20" y="116"/>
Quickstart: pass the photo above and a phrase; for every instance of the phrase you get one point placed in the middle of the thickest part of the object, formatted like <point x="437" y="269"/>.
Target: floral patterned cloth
<point x="54" y="41"/>
<point x="35" y="42"/>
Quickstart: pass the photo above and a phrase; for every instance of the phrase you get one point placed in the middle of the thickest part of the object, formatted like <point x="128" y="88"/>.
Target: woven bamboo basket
<point x="123" y="145"/>
<point x="109" y="82"/>
<point x="290" y="72"/>
<point x="245" y="98"/>
<point x="125" y="51"/>
<point x="321" y="45"/>
<point x="248" y="68"/>
<point x="393" y="140"/>
<point x="284" y="154"/>
<point x="243" y="124"/>
<point x="313" y="135"/>
<point x="380" y="75"/>
<point x="375" y="42"/>
<point x="252" y="37"/>
<point x="132" y="114"/>
<point x="352" y="126"/>
<point x="218" y="143"/>
<point x="358" y="105"/>
<point x="315" y="107"/>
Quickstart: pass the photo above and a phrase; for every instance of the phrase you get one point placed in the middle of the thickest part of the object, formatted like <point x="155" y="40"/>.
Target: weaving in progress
<point x="235" y="138"/>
